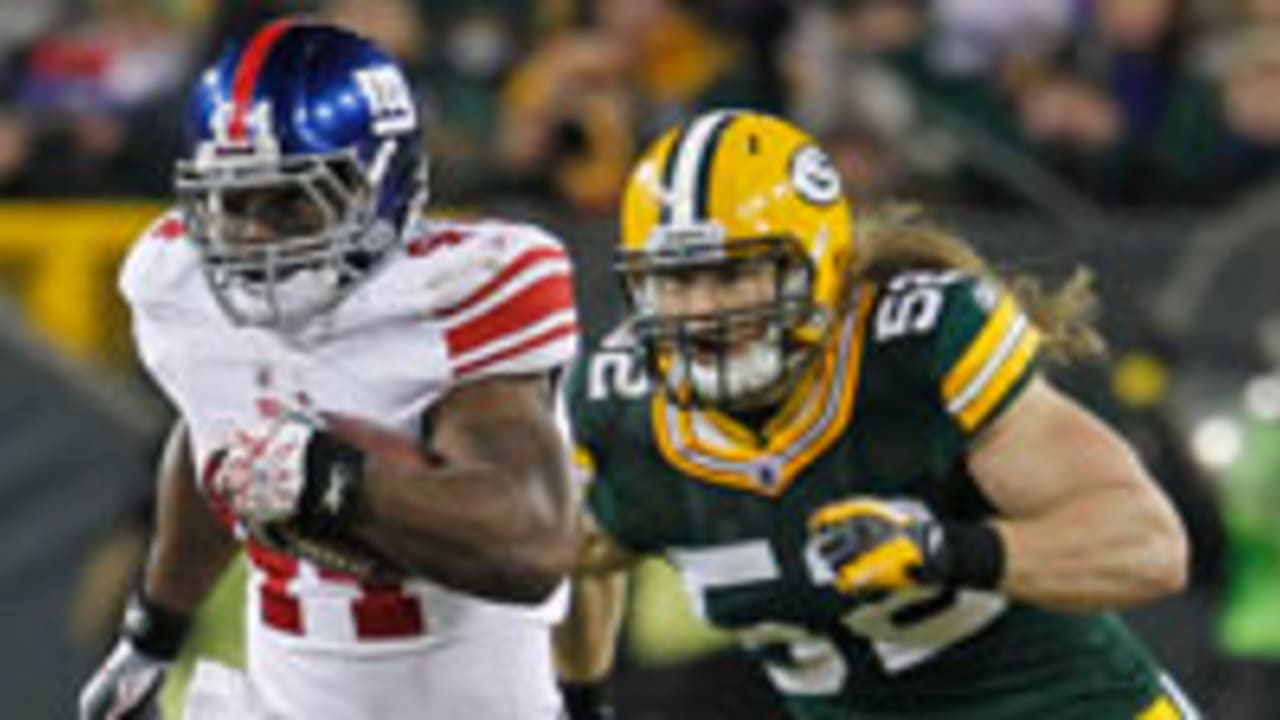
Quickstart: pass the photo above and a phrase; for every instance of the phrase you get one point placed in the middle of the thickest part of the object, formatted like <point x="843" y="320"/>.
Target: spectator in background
<point x="394" y="25"/>
<point x="861" y="110"/>
<point x="1090" y="112"/>
<point x="471" y="48"/>
<point x="862" y="76"/>
<point x="230" y="19"/>
<point x="882" y="27"/>
<point x="762" y="26"/>
<point x="456" y="54"/>
<point x="1128" y="58"/>
<point x="85" y="88"/>
<point x="978" y="38"/>
<point x="864" y="113"/>
<point x="573" y="111"/>
<point x="1222" y="133"/>
<point x="23" y="20"/>
<point x="1072" y="125"/>
<point x="471" y="54"/>
<point x="1260" y="11"/>
<point x="16" y="137"/>
<point x="1133" y="50"/>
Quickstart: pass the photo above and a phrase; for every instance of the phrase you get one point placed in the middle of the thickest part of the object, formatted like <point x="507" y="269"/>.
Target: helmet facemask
<point x="282" y="238"/>
<point x="735" y="357"/>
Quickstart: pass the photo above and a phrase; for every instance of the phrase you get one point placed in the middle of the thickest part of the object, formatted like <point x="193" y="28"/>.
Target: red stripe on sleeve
<point x="521" y="263"/>
<point x="539" y="340"/>
<point x="542" y="299"/>
<point x="246" y="78"/>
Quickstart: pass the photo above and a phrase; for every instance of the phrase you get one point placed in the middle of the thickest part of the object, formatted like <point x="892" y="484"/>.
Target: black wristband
<point x="586" y="700"/>
<point x="154" y="630"/>
<point x="334" y="471"/>
<point x="969" y="554"/>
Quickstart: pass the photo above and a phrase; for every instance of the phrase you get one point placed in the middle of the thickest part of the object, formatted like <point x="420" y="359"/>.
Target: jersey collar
<point x="711" y="447"/>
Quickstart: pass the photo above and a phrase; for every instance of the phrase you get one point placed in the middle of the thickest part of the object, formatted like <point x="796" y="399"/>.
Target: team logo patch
<point x="390" y="100"/>
<point x="251" y="133"/>
<point x="814" y="177"/>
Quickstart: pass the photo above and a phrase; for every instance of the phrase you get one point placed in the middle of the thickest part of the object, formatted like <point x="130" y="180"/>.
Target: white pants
<point x="500" y="674"/>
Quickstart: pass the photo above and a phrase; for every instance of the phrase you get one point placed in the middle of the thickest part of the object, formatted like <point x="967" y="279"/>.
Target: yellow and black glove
<point x="873" y="547"/>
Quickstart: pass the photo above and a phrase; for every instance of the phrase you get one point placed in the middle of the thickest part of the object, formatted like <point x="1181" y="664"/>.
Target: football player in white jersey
<point x="364" y="400"/>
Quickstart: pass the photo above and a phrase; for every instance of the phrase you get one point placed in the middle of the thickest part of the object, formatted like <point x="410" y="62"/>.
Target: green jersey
<point x="914" y="372"/>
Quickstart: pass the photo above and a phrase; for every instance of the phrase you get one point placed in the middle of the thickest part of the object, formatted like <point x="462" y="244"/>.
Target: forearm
<point x="179" y="578"/>
<point x="190" y="548"/>
<point x="475" y="527"/>
<point x="1110" y="549"/>
<point x="483" y="504"/>
<point x="585" y="640"/>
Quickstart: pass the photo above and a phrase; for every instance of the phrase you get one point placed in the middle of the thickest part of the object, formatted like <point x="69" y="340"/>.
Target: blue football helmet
<point x="303" y="168"/>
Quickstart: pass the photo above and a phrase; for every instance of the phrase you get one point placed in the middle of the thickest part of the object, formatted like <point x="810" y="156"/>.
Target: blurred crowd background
<point x="1140" y="137"/>
<point x="1122" y="102"/>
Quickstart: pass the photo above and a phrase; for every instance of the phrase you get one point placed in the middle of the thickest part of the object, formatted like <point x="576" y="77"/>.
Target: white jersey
<point x="461" y="301"/>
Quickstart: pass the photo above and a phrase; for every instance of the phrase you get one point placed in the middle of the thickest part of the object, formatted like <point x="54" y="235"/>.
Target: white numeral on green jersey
<point x="814" y="664"/>
<point x="616" y="374"/>
<point x="901" y="645"/>
<point x="908" y="627"/>
<point x="912" y="304"/>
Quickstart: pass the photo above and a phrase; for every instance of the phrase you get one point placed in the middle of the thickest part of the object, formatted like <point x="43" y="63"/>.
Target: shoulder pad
<point x="161" y="265"/>
<point x="967" y="335"/>
<point x="503" y="294"/>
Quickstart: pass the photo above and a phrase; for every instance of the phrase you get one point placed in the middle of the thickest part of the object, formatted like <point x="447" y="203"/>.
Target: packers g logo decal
<point x="814" y="177"/>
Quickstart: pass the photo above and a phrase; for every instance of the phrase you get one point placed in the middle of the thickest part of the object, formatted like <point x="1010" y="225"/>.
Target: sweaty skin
<point x="492" y="514"/>
<point x="1053" y="469"/>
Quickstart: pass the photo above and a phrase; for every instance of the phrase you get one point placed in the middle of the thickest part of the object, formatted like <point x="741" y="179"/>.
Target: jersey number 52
<point x="911" y="304"/>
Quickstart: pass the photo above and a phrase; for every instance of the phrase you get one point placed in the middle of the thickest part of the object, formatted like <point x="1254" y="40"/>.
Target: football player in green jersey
<point x="843" y="444"/>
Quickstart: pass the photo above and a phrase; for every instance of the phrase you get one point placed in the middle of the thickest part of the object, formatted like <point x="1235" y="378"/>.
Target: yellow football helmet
<point x="724" y="189"/>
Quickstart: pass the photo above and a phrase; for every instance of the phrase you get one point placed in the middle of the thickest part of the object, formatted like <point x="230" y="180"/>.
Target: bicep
<point x="504" y="422"/>
<point x="1046" y="449"/>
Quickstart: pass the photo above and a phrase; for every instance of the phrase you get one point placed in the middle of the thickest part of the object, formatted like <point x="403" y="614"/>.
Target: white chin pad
<point x="748" y="372"/>
<point x="297" y="297"/>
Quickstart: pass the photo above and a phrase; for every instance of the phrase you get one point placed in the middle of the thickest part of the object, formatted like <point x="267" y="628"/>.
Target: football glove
<point x="289" y="468"/>
<point x="873" y="546"/>
<point x="125" y="686"/>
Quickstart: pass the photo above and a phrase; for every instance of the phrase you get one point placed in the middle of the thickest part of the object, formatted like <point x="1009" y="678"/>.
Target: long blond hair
<point x="902" y="237"/>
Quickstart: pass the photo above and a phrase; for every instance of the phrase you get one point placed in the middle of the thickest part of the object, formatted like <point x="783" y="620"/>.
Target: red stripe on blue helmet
<point x="246" y="78"/>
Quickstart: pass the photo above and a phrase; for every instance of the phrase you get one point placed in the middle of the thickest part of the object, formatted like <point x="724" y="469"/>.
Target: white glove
<point x="262" y="475"/>
<point x="290" y="468"/>
<point x="124" y="687"/>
